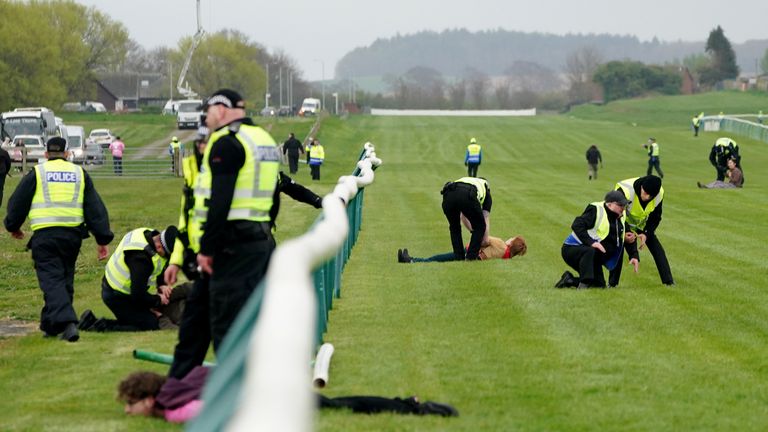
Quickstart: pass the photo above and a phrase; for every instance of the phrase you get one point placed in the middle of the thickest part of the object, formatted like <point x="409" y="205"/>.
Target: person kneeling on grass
<point x="130" y="279"/>
<point x="497" y="248"/>
<point x="178" y="400"/>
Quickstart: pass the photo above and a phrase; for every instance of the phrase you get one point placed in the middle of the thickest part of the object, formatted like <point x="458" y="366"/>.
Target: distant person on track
<point x="62" y="205"/>
<point x="696" y="123"/>
<point x="653" y="156"/>
<point x="597" y="239"/>
<point x="292" y="147"/>
<point x="496" y="249"/>
<point x="593" y="157"/>
<point x="735" y="178"/>
<point x="117" y="147"/>
<point x="473" y="157"/>
<point x="316" y="158"/>
<point x="174" y="149"/>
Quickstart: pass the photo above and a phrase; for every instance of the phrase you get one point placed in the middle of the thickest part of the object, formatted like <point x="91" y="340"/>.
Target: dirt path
<point x="10" y="327"/>
<point x="159" y="148"/>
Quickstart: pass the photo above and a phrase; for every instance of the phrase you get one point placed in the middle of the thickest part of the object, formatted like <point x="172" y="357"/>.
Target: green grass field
<point x="492" y="338"/>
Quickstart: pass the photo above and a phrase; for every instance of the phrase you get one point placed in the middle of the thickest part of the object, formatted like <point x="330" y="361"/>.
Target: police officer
<point x="596" y="240"/>
<point x="696" y="123"/>
<point x="653" y="156"/>
<point x="63" y="206"/>
<point x="174" y="149"/>
<point x="194" y="329"/>
<point x="645" y="195"/>
<point x="316" y="158"/>
<point x="470" y="197"/>
<point x="724" y="149"/>
<point x="473" y="158"/>
<point x="133" y="287"/>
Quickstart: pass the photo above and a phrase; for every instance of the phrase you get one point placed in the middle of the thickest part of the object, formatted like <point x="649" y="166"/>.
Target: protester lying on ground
<point x="179" y="400"/>
<point x="497" y="248"/>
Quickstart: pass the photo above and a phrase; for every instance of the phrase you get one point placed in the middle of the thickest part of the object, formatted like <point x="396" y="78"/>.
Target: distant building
<point x="126" y="91"/>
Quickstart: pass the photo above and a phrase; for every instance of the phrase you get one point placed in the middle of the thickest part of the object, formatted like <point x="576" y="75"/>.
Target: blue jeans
<point x="437" y="258"/>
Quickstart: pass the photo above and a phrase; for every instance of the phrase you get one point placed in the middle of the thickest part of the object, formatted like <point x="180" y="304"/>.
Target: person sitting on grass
<point x="735" y="178"/>
<point x="496" y="249"/>
<point x="179" y="400"/>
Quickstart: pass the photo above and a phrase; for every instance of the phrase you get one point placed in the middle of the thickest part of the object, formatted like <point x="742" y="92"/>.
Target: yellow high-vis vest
<point x="316" y="154"/>
<point x="601" y="228"/>
<point x="117" y="273"/>
<point x="478" y="183"/>
<point x="255" y="185"/>
<point x="59" y="194"/>
<point x="186" y="224"/>
<point x="654" y="149"/>
<point x="637" y="216"/>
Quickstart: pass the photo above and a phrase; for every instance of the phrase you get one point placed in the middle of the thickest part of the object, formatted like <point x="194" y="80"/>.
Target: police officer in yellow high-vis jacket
<point x="133" y="286"/>
<point x="645" y="195"/>
<point x="233" y="196"/>
<point x="473" y="157"/>
<point x="470" y="197"/>
<point x="653" y="156"/>
<point x="316" y="158"/>
<point x="597" y="239"/>
<point x="62" y="206"/>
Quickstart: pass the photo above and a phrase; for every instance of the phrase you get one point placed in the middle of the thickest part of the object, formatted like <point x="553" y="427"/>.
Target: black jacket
<point x="292" y="147"/>
<point x="593" y="155"/>
<point x="5" y="162"/>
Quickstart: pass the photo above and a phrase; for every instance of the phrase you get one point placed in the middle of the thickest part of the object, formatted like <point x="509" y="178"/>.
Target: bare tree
<point x="477" y="82"/>
<point x="580" y="66"/>
<point x="502" y="91"/>
<point x="457" y="94"/>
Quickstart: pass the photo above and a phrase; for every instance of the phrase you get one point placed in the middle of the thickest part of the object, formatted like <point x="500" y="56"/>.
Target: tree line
<point x="585" y="77"/>
<point x="51" y="52"/>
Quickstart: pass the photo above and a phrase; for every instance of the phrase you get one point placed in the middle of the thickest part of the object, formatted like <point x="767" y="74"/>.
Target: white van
<point x="310" y="106"/>
<point x="76" y="144"/>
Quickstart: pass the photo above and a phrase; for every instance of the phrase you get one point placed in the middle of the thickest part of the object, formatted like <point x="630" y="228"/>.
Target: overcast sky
<point x="318" y="33"/>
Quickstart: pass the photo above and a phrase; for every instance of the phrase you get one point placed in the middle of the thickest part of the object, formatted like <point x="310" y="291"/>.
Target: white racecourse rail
<point x="454" y="113"/>
<point x="277" y="393"/>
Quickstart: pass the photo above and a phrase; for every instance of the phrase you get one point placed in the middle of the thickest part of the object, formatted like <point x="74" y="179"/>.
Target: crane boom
<point x="181" y="86"/>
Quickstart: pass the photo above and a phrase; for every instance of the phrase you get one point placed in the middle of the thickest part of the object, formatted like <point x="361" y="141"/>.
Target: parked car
<point x="76" y="144"/>
<point x="268" y="111"/>
<point x="94" y="107"/>
<point x="102" y="137"/>
<point x="34" y="145"/>
<point x="94" y="154"/>
<point x="285" y="111"/>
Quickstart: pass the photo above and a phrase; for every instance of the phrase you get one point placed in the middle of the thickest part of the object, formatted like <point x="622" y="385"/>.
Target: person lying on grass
<point x="496" y="249"/>
<point x="178" y="401"/>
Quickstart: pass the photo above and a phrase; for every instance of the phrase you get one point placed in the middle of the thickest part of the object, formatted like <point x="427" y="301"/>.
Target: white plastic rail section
<point x="277" y="393"/>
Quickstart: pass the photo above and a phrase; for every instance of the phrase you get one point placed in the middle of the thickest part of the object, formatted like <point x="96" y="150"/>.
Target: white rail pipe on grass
<point x="322" y="365"/>
<point x="277" y="393"/>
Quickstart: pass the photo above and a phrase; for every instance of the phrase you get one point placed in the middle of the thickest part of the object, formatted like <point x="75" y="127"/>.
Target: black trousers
<point x="117" y="161"/>
<point x="315" y="170"/>
<point x="659" y="257"/>
<point x="721" y="170"/>
<point x="472" y="169"/>
<point x="586" y="260"/>
<point x="653" y="162"/>
<point x="55" y="251"/>
<point x="461" y="198"/>
<point x="194" y="331"/>
<point x="237" y="270"/>
<point x="293" y="162"/>
<point x="130" y="316"/>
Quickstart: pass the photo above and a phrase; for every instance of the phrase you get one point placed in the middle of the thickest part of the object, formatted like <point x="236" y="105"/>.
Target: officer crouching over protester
<point x="62" y="205"/>
<point x="597" y="240"/>
<point x="132" y="286"/>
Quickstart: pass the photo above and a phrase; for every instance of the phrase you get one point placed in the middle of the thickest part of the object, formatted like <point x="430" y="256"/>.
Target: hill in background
<point x="496" y="52"/>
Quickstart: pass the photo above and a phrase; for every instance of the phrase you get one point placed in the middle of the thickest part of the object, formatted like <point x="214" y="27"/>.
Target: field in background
<point x="494" y="339"/>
